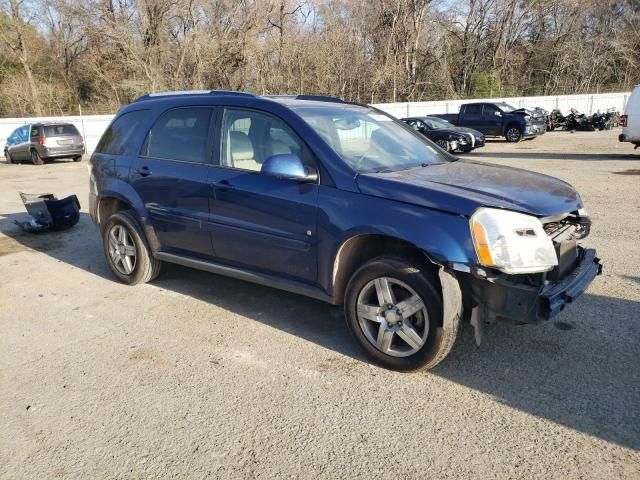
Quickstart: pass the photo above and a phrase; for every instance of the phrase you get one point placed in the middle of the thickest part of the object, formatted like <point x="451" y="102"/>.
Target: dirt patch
<point x="148" y="354"/>
<point x="338" y="365"/>
<point x="19" y="241"/>
<point x="8" y="246"/>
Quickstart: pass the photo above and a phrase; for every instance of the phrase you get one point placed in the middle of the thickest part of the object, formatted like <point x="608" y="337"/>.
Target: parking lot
<point x="204" y="375"/>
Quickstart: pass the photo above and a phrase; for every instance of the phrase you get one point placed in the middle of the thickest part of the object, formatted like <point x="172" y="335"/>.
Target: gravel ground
<point x="197" y="375"/>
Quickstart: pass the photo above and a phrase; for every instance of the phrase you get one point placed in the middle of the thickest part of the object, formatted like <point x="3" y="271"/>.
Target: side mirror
<point x="497" y="113"/>
<point x="289" y="166"/>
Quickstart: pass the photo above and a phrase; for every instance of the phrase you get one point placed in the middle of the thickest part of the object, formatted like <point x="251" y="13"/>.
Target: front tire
<point x="513" y="134"/>
<point x="36" y="159"/>
<point x="393" y="308"/>
<point x="7" y="157"/>
<point x="77" y="158"/>
<point x="443" y="144"/>
<point x="127" y="251"/>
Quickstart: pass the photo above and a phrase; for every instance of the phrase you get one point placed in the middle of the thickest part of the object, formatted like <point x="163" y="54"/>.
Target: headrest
<point x="241" y="146"/>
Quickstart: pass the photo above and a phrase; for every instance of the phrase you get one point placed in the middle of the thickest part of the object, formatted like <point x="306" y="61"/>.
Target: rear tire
<point x="393" y="308"/>
<point x="77" y="159"/>
<point x="36" y="159"/>
<point x="126" y="250"/>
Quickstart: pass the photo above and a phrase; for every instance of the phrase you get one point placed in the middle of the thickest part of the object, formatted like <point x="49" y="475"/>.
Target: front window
<point x="367" y="140"/>
<point x="249" y="138"/>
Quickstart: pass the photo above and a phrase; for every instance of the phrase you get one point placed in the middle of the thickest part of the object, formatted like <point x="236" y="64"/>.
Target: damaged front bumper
<point x="509" y="298"/>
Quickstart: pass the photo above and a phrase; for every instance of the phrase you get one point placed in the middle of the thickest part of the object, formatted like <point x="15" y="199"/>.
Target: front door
<point x="258" y="221"/>
<point x="171" y="177"/>
<point x="492" y="120"/>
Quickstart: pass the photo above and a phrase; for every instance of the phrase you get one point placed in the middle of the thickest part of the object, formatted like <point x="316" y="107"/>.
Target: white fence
<point x="92" y="126"/>
<point x="583" y="103"/>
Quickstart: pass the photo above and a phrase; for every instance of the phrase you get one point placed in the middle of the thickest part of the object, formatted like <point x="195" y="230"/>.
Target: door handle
<point x="144" y="171"/>
<point x="222" y="185"/>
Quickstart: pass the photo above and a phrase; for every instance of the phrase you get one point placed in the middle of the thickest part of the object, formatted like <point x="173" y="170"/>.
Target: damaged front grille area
<point x="571" y="226"/>
<point x="565" y="231"/>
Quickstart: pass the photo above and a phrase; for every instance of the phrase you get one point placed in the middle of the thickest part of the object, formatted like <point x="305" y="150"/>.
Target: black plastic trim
<point x="248" y="275"/>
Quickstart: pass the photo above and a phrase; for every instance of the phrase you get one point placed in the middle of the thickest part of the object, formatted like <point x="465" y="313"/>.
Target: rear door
<point x="62" y="137"/>
<point x="471" y="116"/>
<point x="171" y="177"/>
<point x="21" y="149"/>
<point x="258" y="221"/>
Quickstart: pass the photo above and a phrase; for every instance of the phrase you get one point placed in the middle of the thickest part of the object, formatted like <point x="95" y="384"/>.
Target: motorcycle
<point x="556" y="120"/>
<point x="577" y="121"/>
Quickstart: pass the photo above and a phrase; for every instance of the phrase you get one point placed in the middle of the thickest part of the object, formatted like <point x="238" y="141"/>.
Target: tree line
<point x="57" y="56"/>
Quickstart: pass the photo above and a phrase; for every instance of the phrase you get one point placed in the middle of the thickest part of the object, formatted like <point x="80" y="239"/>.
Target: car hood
<point x="535" y="114"/>
<point x="463" y="186"/>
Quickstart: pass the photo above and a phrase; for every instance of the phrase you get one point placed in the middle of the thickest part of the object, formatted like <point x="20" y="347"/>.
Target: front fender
<point x="444" y="237"/>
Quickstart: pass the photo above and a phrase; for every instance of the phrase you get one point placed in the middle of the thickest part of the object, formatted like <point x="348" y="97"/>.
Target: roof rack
<point x="320" y="98"/>
<point x="317" y="98"/>
<point x="178" y="93"/>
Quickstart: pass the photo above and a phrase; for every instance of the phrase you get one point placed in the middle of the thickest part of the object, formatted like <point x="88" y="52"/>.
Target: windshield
<point x="434" y="122"/>
<point x="367" y="140"/>
<point x="505" y="107"/>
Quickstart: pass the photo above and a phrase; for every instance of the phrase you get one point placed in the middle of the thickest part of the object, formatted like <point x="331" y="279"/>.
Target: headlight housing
<point x="511" y="242"/>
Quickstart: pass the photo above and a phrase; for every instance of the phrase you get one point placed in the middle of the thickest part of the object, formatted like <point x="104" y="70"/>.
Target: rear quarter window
<point x="120" y="133"/>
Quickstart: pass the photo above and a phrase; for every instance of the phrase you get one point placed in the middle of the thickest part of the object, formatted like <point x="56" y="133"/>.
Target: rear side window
<point x="35" y="132"/>
<point x="180" y="134"/>
<point x="473" y="109"/>
<point x="59" y="130"/>
<point x="115" y="140"/>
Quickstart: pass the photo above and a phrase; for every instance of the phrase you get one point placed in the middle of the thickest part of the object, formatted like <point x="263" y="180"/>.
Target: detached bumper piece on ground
<point x="48" y="212"/>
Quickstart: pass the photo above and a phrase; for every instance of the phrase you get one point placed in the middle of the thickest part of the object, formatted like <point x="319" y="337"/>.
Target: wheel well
<point x="512" y="124"/>
<point x="359" y="249"/>
<point x="108" y="206"/>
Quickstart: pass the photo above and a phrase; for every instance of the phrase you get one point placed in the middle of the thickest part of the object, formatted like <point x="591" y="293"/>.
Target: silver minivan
<point x="44" y="142"/>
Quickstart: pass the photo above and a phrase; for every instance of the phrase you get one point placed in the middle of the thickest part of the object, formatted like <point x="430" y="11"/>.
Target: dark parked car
<point x="340" y="202"/>
<point x="499" y="120"/>
<point x="44" y="142"/>
<point x="444" y="134"/>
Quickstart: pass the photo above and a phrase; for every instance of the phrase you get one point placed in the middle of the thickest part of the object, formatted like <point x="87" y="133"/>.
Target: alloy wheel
<point x="122" y="250"/>
<point x="513" y="134"/>
<point x="443" y="144"/>
<point x="393" y="317"/>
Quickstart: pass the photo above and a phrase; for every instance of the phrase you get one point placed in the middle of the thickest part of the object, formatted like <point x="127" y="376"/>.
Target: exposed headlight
<point x="511" y="242"/>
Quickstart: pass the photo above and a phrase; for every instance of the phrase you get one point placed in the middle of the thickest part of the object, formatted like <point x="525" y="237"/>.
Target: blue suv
<point x="340" y="202"/>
